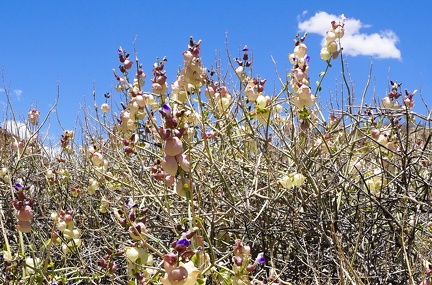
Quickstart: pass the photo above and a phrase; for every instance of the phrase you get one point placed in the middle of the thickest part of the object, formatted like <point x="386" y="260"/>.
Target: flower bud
<point x="300" y="50"/>
<point x="102" y="263"/>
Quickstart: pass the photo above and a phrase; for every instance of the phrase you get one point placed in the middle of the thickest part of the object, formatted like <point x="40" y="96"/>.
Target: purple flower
<point x="260" y="258"/>
<point x="165" y="110"/>
<point x="129" y="204"/>
<point x="18" y="186"/>
<point x="183" y="242"/>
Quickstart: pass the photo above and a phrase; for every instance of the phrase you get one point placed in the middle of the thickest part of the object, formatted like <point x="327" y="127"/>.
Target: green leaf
<point x="201" y="281"/>
<point x="47" y="242"/>
<point x="50" y="265"/>
<point x="304" y="114"/>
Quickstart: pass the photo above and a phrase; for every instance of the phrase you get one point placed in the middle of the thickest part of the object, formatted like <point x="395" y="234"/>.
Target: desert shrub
<point x="211" y="180"/>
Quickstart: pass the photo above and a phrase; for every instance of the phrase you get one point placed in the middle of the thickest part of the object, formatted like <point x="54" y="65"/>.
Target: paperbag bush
<point x="202" y="178"/>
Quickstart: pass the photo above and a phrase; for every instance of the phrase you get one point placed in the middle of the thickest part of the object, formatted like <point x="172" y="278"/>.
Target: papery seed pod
<point x="132" y="253"/>
<point x="97" y="159"/>
<point x="184" y="161"/>
<point x="159" y="175"/>
<point x="67" y="218"/>
<point x="250" y="267"/>
<point x="24" y="226"/>
<point x="177" y="275"/>
<point x="173" y="146"/>
<point x="238" y="260"/>
<point x="24" y="214"/>
<point x="169" y="165"/>
<point x="182" y="186"/>
<point x="128" y="64"/>
<point x="105" y="107"/>
<point x="335" y="55"/>
<point x="17" y="204"/>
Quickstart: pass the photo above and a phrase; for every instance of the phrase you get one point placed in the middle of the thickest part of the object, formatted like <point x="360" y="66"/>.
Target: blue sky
<point x="74" y="43"/>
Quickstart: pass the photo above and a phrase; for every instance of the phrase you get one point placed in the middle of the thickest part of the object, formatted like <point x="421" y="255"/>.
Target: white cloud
<point x="302" y="15"/>
<point x="355" y="42"/>
<point x="17" y="128"/>
<point x="18" y="93"/>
